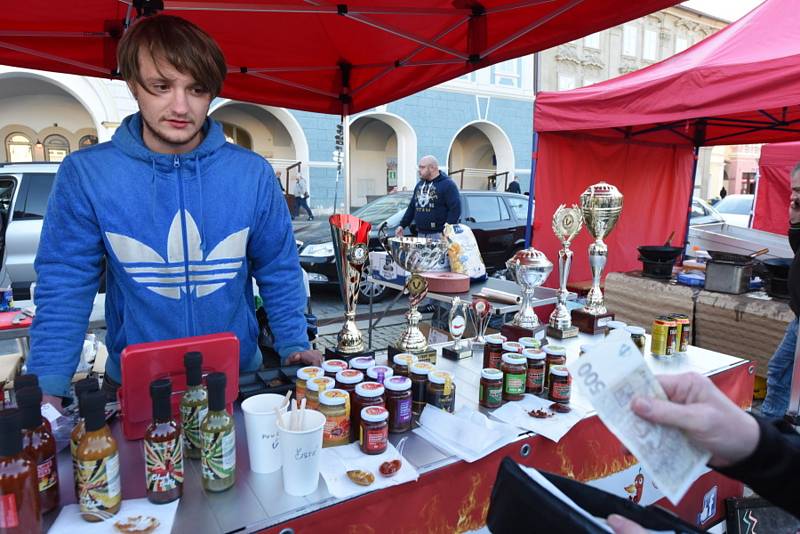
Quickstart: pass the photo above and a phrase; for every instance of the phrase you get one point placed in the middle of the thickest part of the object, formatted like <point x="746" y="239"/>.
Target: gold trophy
<point x="350" y="238"/>
<point x="567" y="222"/>
<point x="601" y="204"/>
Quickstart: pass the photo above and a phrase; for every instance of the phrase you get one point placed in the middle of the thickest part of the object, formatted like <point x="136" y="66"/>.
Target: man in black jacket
<point x="779" y="370"/>
<point x="435" y="201"/>
<point x="513" y="187"/>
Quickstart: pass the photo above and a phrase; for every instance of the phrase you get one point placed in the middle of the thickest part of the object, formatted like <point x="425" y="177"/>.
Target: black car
<point x="497" y="220"/>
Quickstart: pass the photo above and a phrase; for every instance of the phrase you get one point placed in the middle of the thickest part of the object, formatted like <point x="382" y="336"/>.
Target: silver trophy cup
<point x="529" y="268"/>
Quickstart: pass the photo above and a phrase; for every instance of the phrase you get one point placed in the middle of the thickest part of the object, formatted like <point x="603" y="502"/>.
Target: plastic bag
<point x="463" y="251"/>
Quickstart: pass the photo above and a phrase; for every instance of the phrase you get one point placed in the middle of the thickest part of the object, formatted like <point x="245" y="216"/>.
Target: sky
<point x="725" y="9"/>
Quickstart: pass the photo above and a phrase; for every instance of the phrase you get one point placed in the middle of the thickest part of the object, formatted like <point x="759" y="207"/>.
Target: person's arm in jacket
<point x="453" y="200"/>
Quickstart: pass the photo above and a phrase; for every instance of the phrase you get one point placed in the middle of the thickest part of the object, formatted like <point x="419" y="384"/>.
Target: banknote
<point x="610" y="375"/>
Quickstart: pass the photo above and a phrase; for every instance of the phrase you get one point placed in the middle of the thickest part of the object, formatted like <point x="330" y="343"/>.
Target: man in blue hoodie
<point x="435" y="201"/>
<point x="183" y="218"/>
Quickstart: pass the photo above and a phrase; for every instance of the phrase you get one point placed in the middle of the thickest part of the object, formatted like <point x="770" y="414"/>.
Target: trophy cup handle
<point x="383" y="238"/>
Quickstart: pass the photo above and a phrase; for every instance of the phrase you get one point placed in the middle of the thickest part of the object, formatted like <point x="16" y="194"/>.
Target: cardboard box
<point x="384" y="268"/>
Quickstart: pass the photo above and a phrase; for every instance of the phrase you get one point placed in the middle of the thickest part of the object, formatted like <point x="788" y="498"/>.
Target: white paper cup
<point x="263" y="443"/>
<point x="300" y="451"/>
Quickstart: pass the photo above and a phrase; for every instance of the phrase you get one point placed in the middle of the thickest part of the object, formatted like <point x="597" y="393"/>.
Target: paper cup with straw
<point x="300" y="451"/>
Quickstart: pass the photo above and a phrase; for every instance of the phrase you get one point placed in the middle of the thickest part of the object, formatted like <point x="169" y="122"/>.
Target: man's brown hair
<point x="175" y="40"/>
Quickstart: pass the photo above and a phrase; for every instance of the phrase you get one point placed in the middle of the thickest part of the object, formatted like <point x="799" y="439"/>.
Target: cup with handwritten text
<point x="300" y="451"/>
<point x="260" y="425"/>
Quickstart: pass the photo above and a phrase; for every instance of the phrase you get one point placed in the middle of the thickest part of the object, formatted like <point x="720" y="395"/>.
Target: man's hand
<point x="398" y="232"/>
<point x="622" y="525"/>
<point x="708" y="417"/>
<point x="308" y="357"/>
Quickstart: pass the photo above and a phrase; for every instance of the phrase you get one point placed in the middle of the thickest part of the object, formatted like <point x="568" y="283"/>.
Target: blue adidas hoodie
<point x="182" y="235"/>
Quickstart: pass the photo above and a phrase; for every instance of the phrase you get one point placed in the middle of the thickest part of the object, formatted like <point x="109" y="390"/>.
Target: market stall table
<point x="450" y="494"/>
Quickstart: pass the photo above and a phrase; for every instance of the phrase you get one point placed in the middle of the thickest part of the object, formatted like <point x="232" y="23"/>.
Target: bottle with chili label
<point x="39" y="444"/>
<point x="490" y="394"/>
<point x="19" y="492"/>
<point x="374" y="430"/>
<point x="534" y="382"/>
<point x="560" y="384"/>
<point x="98" y="463"/>
<point x="82" y="387"/>
<point x="398" y="402"/>
<point x="194" y="405"/>
<point x="163" y="448"/>
<point x="515" y="371"/>
<point x="219" y="438"/>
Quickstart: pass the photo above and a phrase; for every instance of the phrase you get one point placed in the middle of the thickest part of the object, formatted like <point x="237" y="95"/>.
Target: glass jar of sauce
<point x="398" y="402"/>
<point x="556" y="355"/>
<point x="441" y="391"/>
<point x="367" y="394"/>
<point x="362" y="363"/>
<point x="313" y="389"/>
<point x="530" y="343"/>
<point x="401" y="362"/>
<point x="374" y="429"/>
<point x="560" y="384"/>
<point x="638" y="337"/>
<point x="379" y="373"/>
<point x="512" y="346"/>
<point x="493" y="351"/>
<point x="683" y="334"/>
<point x="490" y="394"/>
<point x="334" y="404"/>
<point x="515" y="370"/>
<point x="347" y="380"/>
<point x="534" y="381"/>
<point x="304" y="374"/>
<point x="331" y="367"/>
<point x="419" y="372"/>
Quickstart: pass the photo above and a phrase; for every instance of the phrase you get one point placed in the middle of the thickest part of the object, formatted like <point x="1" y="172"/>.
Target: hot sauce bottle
<point x="98" y="463"/>
<point x="39" y="444"/>
<point x="219" y="439"/>
<point x="194" y="405"/>
<point x="19" y="491"/>
<point x="82" y="387"/>
<point x="163" y="448"/>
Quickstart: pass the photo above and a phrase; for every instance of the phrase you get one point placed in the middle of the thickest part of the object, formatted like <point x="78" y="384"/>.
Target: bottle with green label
<point x="163" y="449"/>
<point x="194" y="405"/>
<point x="98" y="463"/>
<point x="219" y="438"/>
<point x="40" y="445"/>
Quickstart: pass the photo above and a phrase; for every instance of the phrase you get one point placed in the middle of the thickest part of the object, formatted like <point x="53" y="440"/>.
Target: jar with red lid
<point x="490" y="394"/>
<point x="560" y="384"/>
<point x="374" y="429"/>
<point x="515" y="370"/>
<point x="534" y="382"/>
<point x="331" y="367"/>
<point x="367" y="394"/>
<point x="398" y="402"/>
<point x="379" y="373"/>
<point x="493" y="351"/>
<point x="304" y="374"/>
<point x="419" y="372"/>
<point x="362" y="363"/>
<point x="441" y="391"/>
<point x="314" y="387"/>
<point x="555" y="355"/>
<point x="401" y="363"/>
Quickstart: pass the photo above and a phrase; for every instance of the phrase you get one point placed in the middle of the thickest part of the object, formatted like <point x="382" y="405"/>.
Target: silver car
<point x="24" y="191"/>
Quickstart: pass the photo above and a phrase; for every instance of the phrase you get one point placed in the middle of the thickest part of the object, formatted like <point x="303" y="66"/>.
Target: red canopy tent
<point x="639" y="131"/>
<point x="772" y="194"/>
<point x="315" y="55"/>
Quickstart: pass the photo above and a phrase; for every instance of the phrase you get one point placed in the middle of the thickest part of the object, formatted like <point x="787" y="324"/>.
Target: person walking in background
<point x="278" y="177"/>
<point x="513" y="187"/>
<point x="301" y="197"/>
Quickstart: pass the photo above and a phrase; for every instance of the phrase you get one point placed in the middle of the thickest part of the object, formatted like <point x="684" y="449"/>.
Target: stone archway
<point x="480" y="148"/>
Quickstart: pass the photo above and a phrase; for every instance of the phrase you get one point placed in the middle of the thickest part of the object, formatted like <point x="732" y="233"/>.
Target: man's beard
<point x="167" y="140"/>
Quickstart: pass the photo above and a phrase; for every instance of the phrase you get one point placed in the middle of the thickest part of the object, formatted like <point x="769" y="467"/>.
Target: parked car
<point x="736" y="209"/>
<point x="704" y="213"/>
<point x="24" y="190"/>
<point x="497" y="219"/>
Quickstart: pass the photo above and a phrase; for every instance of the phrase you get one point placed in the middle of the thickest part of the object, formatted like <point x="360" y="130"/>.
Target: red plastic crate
<point x="145" y="362"/>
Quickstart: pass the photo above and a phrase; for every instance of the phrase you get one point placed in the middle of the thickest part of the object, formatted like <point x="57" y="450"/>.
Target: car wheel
<point x="366" y="288"/>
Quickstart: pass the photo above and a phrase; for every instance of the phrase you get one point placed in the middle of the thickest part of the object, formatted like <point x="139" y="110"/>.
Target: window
<point x="87" y="140"/>
<point x="748" y="183"/>
<point x="507" y="73"/>
<point x="565" y="82"/>
<point x="18" y="148"/>
<point x="592" y="41"/>
<point x="737" y="205"/>
<point x="698" y="210"/>
<point x="236" y="135"/>
<point x="56" y="148"/>
<point x="650" y="49"/>
<point x="32" y="198"/>
<point x="6" y="194"/>
<point x="681" y="43"/>
<point x="381" y="209"/>
<point x="519" y="207"/>
<point x="630" y="40"/>
<point x="468" y="77"/>
<point x="484" y="208"/>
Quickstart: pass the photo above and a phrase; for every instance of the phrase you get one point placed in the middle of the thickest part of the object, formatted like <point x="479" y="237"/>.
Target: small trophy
<point x="529" y="268"/>
<point x="567" y="222"/>
<point x="481" y="312"/>
<point x="457" y="324"/>
<point x="601" y="204"/>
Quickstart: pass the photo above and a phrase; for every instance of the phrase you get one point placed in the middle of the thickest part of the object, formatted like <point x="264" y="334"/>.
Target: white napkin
<point x="69" y="519"/>
<point x="468" y="434"/>
<point x="553" y="428"/>
<point x="337" y="461"/>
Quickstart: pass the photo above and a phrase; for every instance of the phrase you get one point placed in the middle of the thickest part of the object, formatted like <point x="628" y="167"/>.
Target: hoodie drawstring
<point x="201" y="214"/>
<point x="153" y="195"/>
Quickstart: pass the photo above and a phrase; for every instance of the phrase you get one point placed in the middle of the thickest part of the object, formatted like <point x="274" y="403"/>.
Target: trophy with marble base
<point x="567" y="222"/>
<point x="350" y="237"/>
<point x="529" y="268"/>
<point x="457" y="324"/>
<point x="415" y="255"/>
<point x="601" y="204"/>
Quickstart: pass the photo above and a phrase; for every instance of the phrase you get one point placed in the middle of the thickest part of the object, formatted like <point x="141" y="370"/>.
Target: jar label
<point x="191" y="418"/>
<point x="401" y="416"/>
<point x="336" y="430"/>
<point x="494" y="395"/>
<point x="47" y="474"/>
<point x="100" y="490"/>
<point x="495" y="359"/>
<point x="514" y="383"/>
<point x="560" y="391"/>
<point x="163" y="465"/>
<point x="9" y="518"/>
<point x="219" y="454"/>
<point x="535" y="382"/>
<point x="376" y="439"/>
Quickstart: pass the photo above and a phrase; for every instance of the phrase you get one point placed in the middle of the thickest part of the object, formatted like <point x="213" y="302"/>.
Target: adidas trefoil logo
<point x="168" y="277"/>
